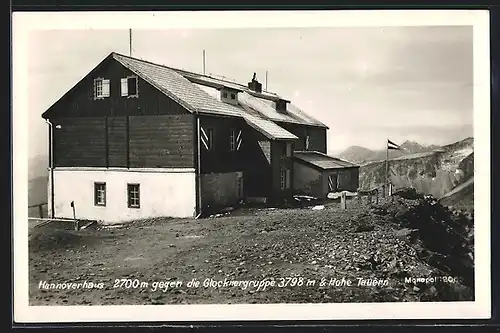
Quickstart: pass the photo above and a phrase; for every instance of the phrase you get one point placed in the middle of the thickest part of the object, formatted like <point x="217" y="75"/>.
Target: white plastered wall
<point x="163" y="192"/>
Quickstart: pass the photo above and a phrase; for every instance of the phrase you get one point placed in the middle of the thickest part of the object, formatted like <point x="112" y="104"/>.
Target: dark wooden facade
<point x="147" y="131"/>
<point x="346" y="179"/>
<point x="79" y="101"/>
<point x="253" y="158"/>
<point x="317" y="136"/>
<point x="164" y="141"/>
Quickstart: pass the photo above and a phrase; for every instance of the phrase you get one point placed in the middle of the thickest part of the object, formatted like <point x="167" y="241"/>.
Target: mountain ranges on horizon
<point x="445" y="172"/>
<point x="361" y="155"/>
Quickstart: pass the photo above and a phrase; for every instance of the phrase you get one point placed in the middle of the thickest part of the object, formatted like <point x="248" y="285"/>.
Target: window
<point x="206" y="138"/>
<point x="288" y="149"/>
<point x="285" y="178"/>
<point x="232" y="140"/>
<point x="133" y="195"/>
<point x="129" y="86"/>
<point x="101" y="88"/>
<point x="229" y="96"/>
<point x="100" y="194"/>
<point x="332" y="183"/>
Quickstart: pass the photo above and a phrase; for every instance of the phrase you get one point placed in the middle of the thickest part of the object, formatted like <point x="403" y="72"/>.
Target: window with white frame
<point x="232" y="139"/>
<point x="101" y="88"/>
<point x="130" y="86"/>
<point x="133" y="194"/>
<point x="99" y="194"/>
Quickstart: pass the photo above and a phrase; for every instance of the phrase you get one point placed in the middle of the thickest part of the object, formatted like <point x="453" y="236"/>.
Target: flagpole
<point x="130" y="42"/>
<point x="387" y="166"/>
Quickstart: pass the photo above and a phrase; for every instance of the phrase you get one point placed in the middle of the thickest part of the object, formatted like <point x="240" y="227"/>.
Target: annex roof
<point x="322" y="161"/>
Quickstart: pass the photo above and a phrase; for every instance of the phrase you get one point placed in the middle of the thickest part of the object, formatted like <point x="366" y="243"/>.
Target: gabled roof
<point x="194" y="98"/>
<point x="178" y="85"/>
<point x="195" y="93"/>
<point x="322" y="161"/>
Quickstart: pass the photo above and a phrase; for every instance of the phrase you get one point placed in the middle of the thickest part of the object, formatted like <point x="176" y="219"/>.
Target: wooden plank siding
<point x="79" y="101"/>
<point x="258" y="175"/>
<point x="117" y="142"/>
<point x="161" y="141"/>
<point x="80" y="142"/>
<point x="136" y="141"/>
<point x="317" y="136"/>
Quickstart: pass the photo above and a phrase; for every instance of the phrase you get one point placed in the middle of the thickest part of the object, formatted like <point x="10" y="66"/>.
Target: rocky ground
<point x="300" y="255"/>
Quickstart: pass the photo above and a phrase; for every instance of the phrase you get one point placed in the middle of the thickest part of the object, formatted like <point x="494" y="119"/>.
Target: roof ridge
<point x="190" y="72"/>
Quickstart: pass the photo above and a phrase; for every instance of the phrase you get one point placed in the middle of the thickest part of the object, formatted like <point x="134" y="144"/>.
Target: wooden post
<point x="343" y="204"/>
<point x="74" y="216"/>
<point x="40" y="210"/>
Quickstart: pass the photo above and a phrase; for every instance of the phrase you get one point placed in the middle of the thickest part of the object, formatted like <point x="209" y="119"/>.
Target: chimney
<point x="254" y="84"/>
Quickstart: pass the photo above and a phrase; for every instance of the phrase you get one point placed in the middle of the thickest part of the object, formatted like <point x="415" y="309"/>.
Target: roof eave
<point x="317" y="167"/>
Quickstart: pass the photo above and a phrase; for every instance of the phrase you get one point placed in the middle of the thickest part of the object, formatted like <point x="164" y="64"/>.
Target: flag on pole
<point x="392" y="145"/>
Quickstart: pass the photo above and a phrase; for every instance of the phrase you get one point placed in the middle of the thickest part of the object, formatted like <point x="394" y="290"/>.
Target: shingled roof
<point x="322" y="161"/>
<point x="184" y="85"/>
<point x="195" y="92"/>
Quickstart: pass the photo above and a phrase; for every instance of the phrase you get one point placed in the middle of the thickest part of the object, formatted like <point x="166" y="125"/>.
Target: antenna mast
<point x="203" y="62"/>
<point x="266" y="81"/>
<point x="130" y="41"/>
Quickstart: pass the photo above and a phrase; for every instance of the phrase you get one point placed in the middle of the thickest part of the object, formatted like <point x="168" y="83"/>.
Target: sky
<point x="366" y="83"/>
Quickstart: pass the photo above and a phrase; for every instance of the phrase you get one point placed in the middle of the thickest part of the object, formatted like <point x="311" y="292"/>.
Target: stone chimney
<point x="254" y="84"/>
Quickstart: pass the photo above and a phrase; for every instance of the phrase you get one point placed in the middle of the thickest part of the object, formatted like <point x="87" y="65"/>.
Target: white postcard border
<point x="25" y="22"/>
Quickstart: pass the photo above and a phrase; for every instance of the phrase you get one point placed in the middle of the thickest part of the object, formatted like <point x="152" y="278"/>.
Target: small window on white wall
<point x="133" y="194"/>
<point x="100" y="194"/>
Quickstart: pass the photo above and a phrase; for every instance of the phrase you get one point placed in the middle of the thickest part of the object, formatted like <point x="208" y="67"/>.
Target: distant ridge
<point x="362" y="155"/>
<point x="437" y="171"/>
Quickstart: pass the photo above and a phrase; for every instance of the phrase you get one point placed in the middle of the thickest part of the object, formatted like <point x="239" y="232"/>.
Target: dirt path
<point x="295" y="248"/>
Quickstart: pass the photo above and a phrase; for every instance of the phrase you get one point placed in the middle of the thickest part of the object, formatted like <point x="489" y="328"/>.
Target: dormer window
<point x="281" y="105"/>
<point x="129" y="86"/>
<point x="229" y="96"/>
<point x="101" y="88"/>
